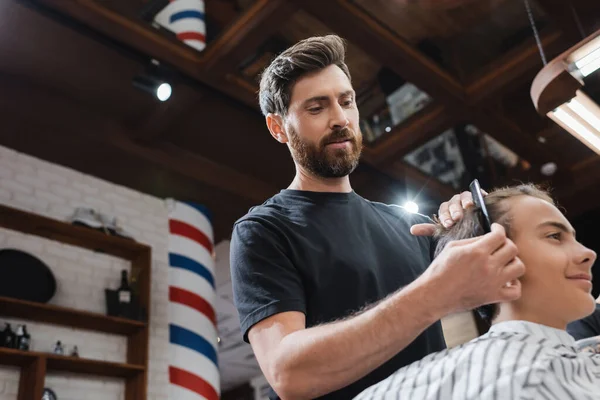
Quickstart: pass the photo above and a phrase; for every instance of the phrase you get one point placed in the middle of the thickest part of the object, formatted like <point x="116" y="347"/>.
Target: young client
<point x="527" y="353"/>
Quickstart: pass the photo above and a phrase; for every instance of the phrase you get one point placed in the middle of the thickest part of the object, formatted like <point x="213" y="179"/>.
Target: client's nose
<point x="585" y="255"/>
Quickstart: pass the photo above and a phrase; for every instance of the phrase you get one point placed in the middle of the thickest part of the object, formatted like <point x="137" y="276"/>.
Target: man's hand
<point x="449" y="213"/>
<point x="472" y="272"/>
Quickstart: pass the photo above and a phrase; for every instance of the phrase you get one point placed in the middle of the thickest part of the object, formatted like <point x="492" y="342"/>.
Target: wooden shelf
<point x="16" y="358"/>
<point x="22" y="221"/>
<point x="92" y="367"/>
<point x="35" y="365"/>
<point x="68" y="317"/>
<point x="57" y="363"/>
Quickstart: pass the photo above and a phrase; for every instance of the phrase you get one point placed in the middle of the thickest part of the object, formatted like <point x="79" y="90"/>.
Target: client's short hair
<point x="470" y="226"/>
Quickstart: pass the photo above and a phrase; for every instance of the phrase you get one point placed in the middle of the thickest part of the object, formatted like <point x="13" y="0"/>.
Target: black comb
<point x="485" y="221"/>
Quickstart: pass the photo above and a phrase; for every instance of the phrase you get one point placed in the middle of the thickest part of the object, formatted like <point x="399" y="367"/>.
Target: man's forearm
<point x="322" y="359"/>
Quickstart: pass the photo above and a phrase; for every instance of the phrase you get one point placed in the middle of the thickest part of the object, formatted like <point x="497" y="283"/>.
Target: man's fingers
<point x="463" y="242"/>
<point x="444" y="214"/>
<point x="510" y="291"/>
<point x="495" y="239"/>
<point x="455" y="208"/>
<point x="513" y="271"/>
<point x="466" y="200"/>
<point x="452" y="211"/>
<point x="422" y="229"/>
<point x="505" y="253"/>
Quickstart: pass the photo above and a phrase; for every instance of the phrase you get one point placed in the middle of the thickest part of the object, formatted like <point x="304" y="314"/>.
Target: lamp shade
<point x="557" y="91"/>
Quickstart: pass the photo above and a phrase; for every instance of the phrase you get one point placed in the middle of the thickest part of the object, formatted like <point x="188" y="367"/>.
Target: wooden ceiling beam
<point x="512" y="69"/>
<point x="21" y="96"/>
<point x="512" y="136"/>
<point x="263" y="19"/>
<point x="369" y="34"/>
<point x="412" y="133"/>
<point x="351" y="22"/>
<point x="165" y="115"/>
<point x="562" y="14"/>
<point x="145" y="39"/>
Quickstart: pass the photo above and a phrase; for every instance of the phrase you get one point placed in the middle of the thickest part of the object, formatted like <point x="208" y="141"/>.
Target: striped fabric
<point x="186" y="19"/>
<point x="194" y="368"/>
<point x="514" y="360"/>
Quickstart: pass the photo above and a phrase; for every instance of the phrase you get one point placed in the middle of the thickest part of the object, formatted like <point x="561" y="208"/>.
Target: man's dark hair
<point x="307" y="56"/>
<point x="470" y="226"/>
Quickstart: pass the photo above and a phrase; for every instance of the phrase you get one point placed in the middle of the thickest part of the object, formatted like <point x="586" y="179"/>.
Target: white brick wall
<point x="37" y="186"/>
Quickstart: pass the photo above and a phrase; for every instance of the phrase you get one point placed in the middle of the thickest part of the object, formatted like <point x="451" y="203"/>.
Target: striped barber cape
<point x="514" y="360"/>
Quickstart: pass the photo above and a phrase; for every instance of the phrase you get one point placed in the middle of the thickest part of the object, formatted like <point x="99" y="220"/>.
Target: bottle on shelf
<point x="124" y="290"/>
<point x="23" y="338"/>
<point x="75" y="352"/>
<point x="58" y="348"/>
<point x="9" y="338"/>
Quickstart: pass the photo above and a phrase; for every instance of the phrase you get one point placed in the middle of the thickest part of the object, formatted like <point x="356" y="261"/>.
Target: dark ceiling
<point x="66" y="70"/>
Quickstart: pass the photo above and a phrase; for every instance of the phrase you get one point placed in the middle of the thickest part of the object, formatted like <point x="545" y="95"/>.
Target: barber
<point x="333" y="291"/>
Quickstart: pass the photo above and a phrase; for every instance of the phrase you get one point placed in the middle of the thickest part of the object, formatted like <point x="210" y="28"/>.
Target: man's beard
<point x="327" y="162"/>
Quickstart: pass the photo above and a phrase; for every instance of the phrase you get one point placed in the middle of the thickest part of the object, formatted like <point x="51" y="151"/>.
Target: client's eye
<point x="555" y="236"/>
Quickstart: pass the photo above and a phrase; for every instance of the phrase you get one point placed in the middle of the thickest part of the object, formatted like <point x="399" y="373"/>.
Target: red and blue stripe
<point x="186" y="19"/>
<point x="193" y="369"/>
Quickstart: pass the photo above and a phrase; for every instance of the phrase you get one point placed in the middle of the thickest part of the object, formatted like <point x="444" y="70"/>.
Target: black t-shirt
<point x="328" y="255"/>
<point x="586" y="327"/>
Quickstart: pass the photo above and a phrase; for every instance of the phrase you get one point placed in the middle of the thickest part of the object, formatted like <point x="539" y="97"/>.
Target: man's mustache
<point x="339" y="135"/>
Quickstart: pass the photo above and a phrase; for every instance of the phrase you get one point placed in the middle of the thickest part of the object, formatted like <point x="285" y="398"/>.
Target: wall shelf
<point x="73" y="318"/>
<point x="33" y="224"/>
<point x="77" y="365"/>
<point x="35" y="365"/>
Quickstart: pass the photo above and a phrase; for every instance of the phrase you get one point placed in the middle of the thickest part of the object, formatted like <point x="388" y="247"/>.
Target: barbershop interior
<point x="299" y="199"/>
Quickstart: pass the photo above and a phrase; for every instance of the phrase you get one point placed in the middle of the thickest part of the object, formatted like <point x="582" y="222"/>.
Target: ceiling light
<point x="549" y="169"/>
<point x="586" y="58"/>
<point x="158" y="88"/>
<point x="163" y="92"/>
<point x="557" y="91"/>
<point x="411" y="207"/>
<point x="575" y="119"/>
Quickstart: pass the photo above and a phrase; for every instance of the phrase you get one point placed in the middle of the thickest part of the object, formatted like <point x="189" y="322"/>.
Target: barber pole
<point x="193" y="368"/>
<point x="186" y="19"/>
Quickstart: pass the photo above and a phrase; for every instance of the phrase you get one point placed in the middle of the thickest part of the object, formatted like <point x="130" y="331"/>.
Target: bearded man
<point x="333" y="291"/>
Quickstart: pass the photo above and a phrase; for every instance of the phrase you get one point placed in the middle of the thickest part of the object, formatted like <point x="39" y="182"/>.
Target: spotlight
<point x="549" y="169"/>
<point x="411" y="207"/>
<point x="162" y="90"/>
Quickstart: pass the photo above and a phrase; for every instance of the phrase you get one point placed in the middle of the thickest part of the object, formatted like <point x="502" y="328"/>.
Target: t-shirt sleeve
<point x="264" y="279"/>
<point x="586" y="327"/>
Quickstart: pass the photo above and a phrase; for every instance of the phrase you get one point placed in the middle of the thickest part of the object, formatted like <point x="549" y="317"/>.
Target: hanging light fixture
<point x="557" y="90"/>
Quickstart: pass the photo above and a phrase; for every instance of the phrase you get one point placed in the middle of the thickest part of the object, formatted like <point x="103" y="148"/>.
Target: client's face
<point x="557" y="282"/>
